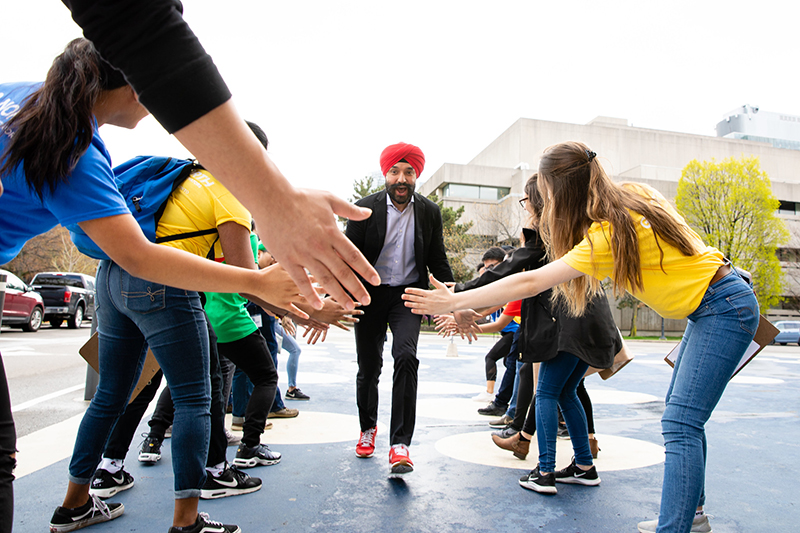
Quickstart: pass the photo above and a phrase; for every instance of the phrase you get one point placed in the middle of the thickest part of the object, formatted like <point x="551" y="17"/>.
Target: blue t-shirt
<point x="89" y="193"/>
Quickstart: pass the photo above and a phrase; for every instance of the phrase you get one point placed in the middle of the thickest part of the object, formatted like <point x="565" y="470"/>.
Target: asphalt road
<point x="46" y="375"/>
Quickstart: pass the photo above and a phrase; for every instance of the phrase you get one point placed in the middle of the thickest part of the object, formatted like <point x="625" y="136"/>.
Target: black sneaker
<point x="231" y="482"/>
<point x="205" y="525"/>
<point x="563" y="432"/>
<point x="544" y="484"/>
<point x="93" y="512"/>
<point x="575" y="474"/>
<point x="247" y="457"/>
<point x="105" y="484"/>
<point x="506" y="432"/>
<point x="492" y="410"/>
<point x="151" y="450"/>
<point x="296" y="394"/>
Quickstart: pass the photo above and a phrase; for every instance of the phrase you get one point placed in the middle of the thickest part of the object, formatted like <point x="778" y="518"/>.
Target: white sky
<point x="333" y="83"/>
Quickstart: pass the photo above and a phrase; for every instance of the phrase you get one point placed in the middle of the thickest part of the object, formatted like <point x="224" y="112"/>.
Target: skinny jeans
<point x="133" y="313"/>
<point x="289" y="344"/>
<point x="558" y="381"/>
<point x="716" y="337"/>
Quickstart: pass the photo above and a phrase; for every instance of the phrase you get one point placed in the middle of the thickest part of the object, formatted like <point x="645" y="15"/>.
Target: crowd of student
<point x="192" y="312"/>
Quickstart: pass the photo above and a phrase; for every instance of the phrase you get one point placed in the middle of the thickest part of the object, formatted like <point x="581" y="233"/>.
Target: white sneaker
<point x="700" y="524"/>
<point x="484" y="397"/>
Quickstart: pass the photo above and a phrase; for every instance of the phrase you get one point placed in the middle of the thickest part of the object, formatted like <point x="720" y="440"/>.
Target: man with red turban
<point x="402" y="239"/>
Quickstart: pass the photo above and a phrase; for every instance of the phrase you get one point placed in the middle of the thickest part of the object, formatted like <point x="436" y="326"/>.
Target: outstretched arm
<point x="524" y="285"/>
<point x="149" y="41"/>
<point x="121" y="238"/>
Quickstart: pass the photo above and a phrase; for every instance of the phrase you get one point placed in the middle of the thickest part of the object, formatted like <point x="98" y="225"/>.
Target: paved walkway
<point x="462" y="482"/>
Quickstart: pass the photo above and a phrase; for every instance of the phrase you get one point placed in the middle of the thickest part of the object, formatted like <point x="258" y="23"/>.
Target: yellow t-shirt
<point x="674" y="292"/>
<point x="200" y="203"/>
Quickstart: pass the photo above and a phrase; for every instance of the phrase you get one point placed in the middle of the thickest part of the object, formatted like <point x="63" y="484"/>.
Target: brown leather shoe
<point x="594" y="447"/>
<point x="519" y="448"/>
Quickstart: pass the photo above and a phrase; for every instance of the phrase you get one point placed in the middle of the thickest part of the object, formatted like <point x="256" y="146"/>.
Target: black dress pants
<point x="385" y="309"/>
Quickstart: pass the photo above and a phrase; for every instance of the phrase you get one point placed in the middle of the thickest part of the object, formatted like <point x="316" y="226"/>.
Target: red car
<point x="23" y="306"/>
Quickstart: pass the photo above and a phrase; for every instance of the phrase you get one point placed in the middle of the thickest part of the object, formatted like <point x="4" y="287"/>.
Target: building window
<point x="788" y="255"/>
<point x="475" y="192"/>
<point x="787" y="208"/>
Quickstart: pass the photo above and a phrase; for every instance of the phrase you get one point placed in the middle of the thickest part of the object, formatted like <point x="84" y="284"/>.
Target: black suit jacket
<point x="429" y="253"/>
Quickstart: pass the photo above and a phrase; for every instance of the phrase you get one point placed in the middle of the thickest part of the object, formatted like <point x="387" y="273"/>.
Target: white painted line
<point x="46" y="397"/>
<point x="50" y="445"/>
<point x="47" y="446"/>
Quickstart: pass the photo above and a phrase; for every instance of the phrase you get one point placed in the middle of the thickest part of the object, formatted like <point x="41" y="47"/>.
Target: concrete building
<point x="490" y="185"/>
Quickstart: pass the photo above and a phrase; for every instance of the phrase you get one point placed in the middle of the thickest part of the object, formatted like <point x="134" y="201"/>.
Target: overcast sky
<point x="333" y="83"/>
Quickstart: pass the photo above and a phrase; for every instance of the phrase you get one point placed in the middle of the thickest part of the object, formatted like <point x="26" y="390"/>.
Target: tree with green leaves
<point x="456" y="240"/>
<point x="365" y="186"/>
<point x="731" y="206"/>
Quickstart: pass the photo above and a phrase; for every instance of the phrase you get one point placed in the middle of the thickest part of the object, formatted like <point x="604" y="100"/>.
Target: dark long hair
<point x="54" y="127"/>
<point x="578" y="193"/>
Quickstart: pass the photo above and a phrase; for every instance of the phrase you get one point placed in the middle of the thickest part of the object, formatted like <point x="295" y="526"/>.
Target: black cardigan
<point x="546" y="330"/>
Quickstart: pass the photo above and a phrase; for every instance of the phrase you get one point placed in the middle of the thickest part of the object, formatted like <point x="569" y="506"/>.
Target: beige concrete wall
<point x="621" y="149"/>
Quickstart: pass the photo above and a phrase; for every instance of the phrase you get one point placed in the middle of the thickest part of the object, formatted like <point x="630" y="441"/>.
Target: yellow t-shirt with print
<point x="200" y="203"/>
<point x="674" y="292"/>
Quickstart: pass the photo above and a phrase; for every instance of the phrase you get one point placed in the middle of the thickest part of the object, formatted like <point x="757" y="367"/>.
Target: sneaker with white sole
<point x="231" y="482"/>
<point x="205" y="525"/>
<point x="366" y="443"/>
<point x="501" y="422"/>
<point x="92" y="512"/>
<point x="578" y="476"/>
<point x="260" y="454"/>
<point x="400" y="461"/>
<point x="233" y="440"/>
<point x="541" y="483"/>
<point x="105" y="484"/>
<point x="296" y="394"/>
<point x="506" y="433"/>
<point x="700" y="524"/>
<point x="484" y="397"/>
<point x="151" y="450"/>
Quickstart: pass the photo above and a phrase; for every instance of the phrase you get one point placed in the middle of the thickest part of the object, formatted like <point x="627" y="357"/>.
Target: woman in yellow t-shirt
<point x="595" y="228"/>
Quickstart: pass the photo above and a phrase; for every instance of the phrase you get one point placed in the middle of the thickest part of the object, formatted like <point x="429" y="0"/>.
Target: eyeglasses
<point x="522" y="202"/>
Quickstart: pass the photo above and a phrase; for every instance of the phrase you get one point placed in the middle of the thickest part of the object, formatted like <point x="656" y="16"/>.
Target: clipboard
<point x="764" y="335"/>
<point x="91" y="351"/>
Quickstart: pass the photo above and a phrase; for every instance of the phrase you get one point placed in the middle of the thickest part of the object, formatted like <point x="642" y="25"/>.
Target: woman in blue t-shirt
<point x="56" y="170"/>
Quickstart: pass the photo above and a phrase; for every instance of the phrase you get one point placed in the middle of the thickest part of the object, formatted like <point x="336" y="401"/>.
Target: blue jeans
<point x="511" y="412"/>
<point x="290" y="345"/>
<point x="506" y="389"/>
<point x="133" y="314"/>
<point x="241" y="390"/>
<point x="558" y="380"/>
<point x="716" y="337"/>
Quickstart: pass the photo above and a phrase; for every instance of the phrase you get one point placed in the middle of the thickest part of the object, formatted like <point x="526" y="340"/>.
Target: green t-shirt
<point x="227" y="313"/>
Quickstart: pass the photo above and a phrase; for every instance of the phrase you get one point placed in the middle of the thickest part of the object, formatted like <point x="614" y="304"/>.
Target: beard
<point x="392" y="191"/>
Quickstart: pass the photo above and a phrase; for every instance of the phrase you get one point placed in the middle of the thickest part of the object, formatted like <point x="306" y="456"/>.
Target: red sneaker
<point x="366" y="443"/>
<point x="400" y="460"/>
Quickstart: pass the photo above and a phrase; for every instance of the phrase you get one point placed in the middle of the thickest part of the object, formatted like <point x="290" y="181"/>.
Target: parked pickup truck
<point x="67" y="296"/>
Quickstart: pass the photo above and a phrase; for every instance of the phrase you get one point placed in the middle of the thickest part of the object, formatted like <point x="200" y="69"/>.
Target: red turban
<point x="394" y="153"/>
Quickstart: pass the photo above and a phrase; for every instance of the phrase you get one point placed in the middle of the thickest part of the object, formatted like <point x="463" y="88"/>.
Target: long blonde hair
<point x="577" y="192"/>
